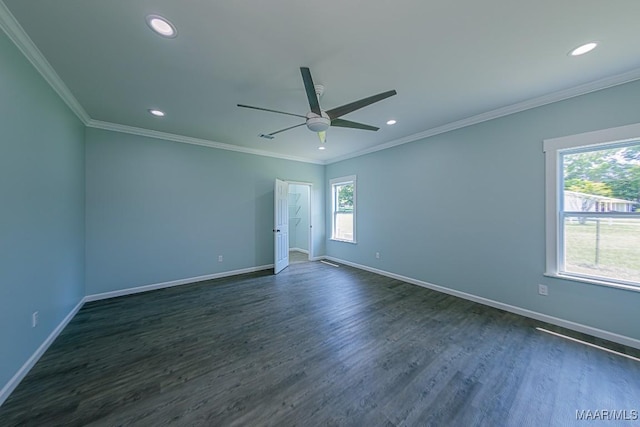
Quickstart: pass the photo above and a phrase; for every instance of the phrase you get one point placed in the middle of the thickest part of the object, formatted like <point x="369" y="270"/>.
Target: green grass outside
<point x="619" y="248"/>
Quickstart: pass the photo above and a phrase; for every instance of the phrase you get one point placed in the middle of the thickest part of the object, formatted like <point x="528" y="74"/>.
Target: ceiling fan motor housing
<point x="318" y="123"/>
<point x="318" y="120"/>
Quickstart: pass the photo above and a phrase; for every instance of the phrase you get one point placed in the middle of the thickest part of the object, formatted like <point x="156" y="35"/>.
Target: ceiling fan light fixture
<point x="317" y="123"/>
<point x="585" y="48"/>
<point x="162" y="26"/>
<point x="319" y="120"/>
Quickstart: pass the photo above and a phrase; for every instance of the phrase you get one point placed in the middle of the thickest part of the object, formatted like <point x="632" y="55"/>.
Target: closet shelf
<point x="294" y="197"/>
<point x="294" y="220"/>
<point x="293" y="209"/>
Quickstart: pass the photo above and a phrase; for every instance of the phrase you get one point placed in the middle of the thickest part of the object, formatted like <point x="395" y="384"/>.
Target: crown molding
<point x="97" y="124"/>
<point x="23" y="42"/>
<point x="19" y="37"/>
<point x="503" y="111"/>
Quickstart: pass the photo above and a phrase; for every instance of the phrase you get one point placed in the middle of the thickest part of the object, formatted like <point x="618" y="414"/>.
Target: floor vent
<point x="589" y="344"/>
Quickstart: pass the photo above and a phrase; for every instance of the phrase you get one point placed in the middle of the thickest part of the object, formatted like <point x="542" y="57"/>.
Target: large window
<point x="343" y="209"/>
<point x="593" y="207"/>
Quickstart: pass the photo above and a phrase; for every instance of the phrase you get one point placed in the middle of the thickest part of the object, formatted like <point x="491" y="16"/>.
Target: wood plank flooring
<point x="316" y="346"/>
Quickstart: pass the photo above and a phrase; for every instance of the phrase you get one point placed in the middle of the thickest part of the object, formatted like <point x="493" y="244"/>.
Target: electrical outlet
<point x="34" y="319"/>
<point x="543" y="290"/>
<point x="377" y="255"/>
<point x="219" y="258"/>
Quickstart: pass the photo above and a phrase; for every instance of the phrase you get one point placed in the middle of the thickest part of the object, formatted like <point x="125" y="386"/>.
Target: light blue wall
<point x="465" y="210"/>
<point x="299" y="216"/>
<point x="159" y="211"/>
<point x="41" y="209"/>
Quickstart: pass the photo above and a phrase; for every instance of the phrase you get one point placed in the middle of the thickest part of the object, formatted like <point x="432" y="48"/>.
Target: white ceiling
<point x="451" y="62"/>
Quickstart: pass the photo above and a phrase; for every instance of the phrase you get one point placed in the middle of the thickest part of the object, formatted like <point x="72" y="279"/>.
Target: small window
<point x="343" y="206"/>
<point x="593" y="207"/>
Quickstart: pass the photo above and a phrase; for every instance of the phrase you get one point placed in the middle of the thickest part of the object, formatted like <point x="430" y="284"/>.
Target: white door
<point x="281" y="225"/>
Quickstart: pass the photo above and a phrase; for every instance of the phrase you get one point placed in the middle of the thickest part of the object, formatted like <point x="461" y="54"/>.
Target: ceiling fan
<point x="319" y="120"/>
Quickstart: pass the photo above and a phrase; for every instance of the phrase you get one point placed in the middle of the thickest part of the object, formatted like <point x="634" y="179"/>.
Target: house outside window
<point x="593" y="207"/>
<point x="343" y="207"/>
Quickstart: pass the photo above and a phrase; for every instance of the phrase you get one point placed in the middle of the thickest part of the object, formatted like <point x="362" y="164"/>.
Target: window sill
<point x="353" y="242"/>
<point x="597" y="282"/>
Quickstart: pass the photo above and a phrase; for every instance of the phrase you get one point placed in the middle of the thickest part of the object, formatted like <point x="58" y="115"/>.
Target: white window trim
<point x="344" y="180"/>
<point x="553" y="204"/>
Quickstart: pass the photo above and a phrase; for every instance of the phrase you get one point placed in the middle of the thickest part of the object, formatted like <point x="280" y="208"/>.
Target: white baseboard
<point x="153" y="287"/>
<point x="24" y="370"/>
<point x="620" y="339"/>
<point x="304" y="251"/>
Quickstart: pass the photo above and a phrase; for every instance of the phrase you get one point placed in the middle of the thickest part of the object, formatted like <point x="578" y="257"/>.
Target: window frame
<point x="350" y="179"/>
<point x="554" y="182"/>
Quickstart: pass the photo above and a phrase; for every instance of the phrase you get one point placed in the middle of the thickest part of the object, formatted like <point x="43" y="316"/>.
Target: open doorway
<point x="300" y="227"/>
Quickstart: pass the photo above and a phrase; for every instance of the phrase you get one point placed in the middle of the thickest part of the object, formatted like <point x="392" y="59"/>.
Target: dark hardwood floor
<point x="316" y="345"/>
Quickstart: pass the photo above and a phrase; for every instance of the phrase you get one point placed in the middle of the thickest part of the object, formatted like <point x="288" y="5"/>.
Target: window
<point x="593" y="207"/>
<point x="343" y="209"/>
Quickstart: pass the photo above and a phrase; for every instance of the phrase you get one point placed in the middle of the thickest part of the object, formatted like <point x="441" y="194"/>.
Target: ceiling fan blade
<point x="311" y="90"/>
<point x="272" y="111"/>
<point x="349" y="124"/>
<point x="356" y="105"/>
<point x="282" y="130"/>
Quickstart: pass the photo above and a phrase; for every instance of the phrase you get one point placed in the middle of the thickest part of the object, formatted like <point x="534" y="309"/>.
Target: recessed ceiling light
<point x="391" y="122"/>
<point x="157" y="113"/>
<point x="322" y="147"/>
<point x="581" y="50"/>
<point x="161" y="26"/>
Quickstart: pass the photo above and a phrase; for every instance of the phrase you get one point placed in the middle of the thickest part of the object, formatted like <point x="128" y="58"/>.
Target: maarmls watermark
<point x="607" y="414"/>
